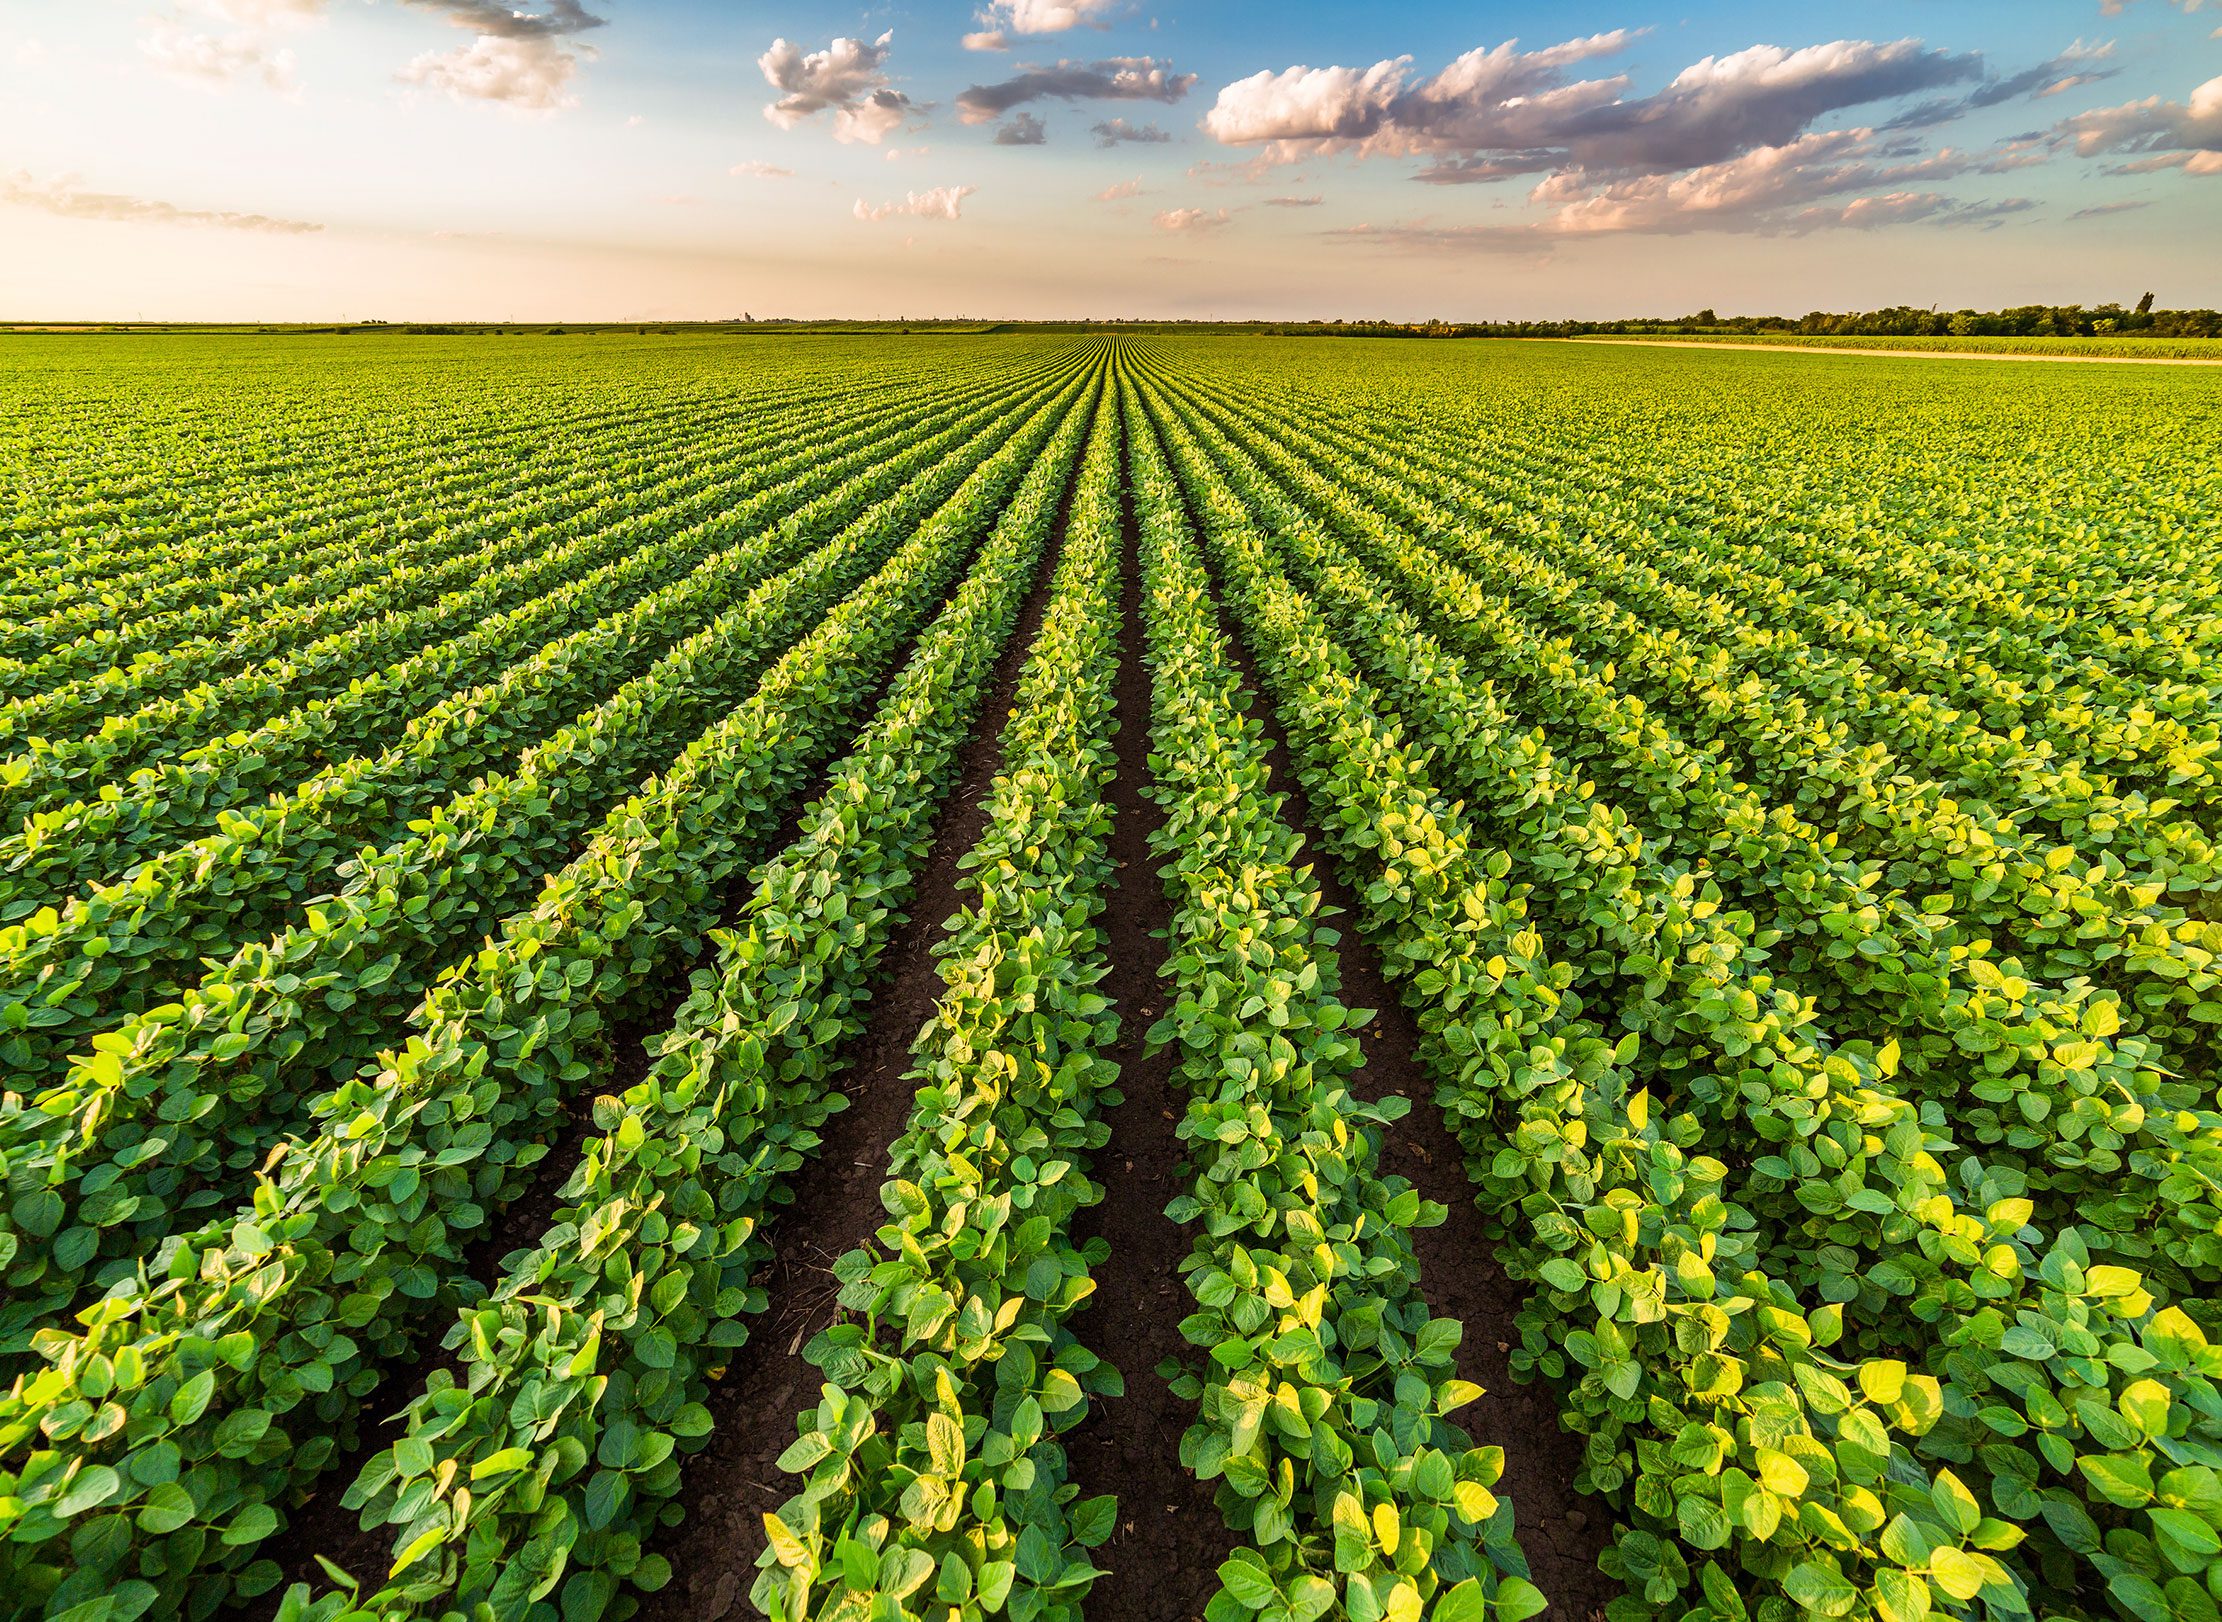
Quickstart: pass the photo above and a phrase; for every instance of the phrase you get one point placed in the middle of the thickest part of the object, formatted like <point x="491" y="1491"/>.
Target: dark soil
<point x="1163" y="1557"/>
<point x="733" y="1483"/>
<point x="1562" y="1531"/>
<point x="322" y="1525"/>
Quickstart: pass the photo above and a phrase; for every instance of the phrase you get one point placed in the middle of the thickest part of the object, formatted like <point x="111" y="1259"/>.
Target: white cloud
<point x="941" y="203"/>
<point x="847" y="78"/>
<point x="758" y="169"/>
<point x="1501" y="111"/>
<point x="533" y="73"/>
<point x="988" y="39"/>
<point x="2156" y="133"/>
<point x="1192" y="219"/>
<point x="523" y="59"/>
<point x="247" y="47"/>
<point x="1041" y="17"/>
<point x="1120" y="191"/>
<point x="213" y="59"/>
<point x="65" y="197"/>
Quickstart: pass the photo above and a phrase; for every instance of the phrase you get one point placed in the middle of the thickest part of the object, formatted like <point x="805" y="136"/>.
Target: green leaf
<point x="1464" y="1603"/>
<point x="1561" y="1274"/>
<point x="945" y="1444"/>
<point x="1249" y="1583"/>
<point x="1821" y="1589"/>
<point x="785" y="1546"/>
<point x="1518" y="1599"/>
<point x="1702" y="1523"/>
<point x="192" y="1398"/>
<point x="1957" y="1573"/>
<point x="1092" y="1520"/>
<point x="2127" y="1482"/>
<point x="88" y="1489"/>
<point x="168" y="1507"/>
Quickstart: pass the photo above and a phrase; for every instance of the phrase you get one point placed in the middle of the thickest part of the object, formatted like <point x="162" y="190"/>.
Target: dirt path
<point x="736" y="1481"/>
<point x="1162" y="1562"/>
<point x="1901" y="354"/>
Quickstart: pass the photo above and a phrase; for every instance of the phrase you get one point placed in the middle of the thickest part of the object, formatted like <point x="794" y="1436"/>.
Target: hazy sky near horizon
<point x="662" y="159"/>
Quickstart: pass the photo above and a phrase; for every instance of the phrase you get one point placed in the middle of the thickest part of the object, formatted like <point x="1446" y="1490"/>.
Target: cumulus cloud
<point x="1502" y="111"/>
<point x="1120" y="191"/>
<point x="1118" y="78"/>
<point x="523" y="59"/>
<point x="1733" y="142"/>
<point x="1192" y="219"/>
<point x="533" y="73"/>
<point x="1824" y="180"/>
<point x="1001" y="18"/>
<point x="2156" y="133"/>
<point x="180" y="44"/>
<point x="941" y="203"/>
<point x="1113" y="131"/>
<point x="65" y="197"/>
<point x="1024" y="130"/>
<point x="758" y="169"/>
<point x="1752" y="190"/>
<point x="213" y="59"/>
<point x="847" y="78"/>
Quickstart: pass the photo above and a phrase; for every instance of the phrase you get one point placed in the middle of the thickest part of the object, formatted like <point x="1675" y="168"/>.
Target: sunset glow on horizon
<point x="319" y="160"/>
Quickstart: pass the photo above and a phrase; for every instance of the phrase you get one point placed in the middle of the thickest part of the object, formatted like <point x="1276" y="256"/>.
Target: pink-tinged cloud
<point x="64" y="197"/>
<point x="1502" y="111"/>
<point x="1192" y="220"/>
<point x="1002" y="17"/>
<point x="532" y="73"/>
<point x="941" y="203"/>
<point x="215" y="43"/>
<point x="522" y="59"/>
<point x="2156" y="133"/>
<point x="848" y="78"/>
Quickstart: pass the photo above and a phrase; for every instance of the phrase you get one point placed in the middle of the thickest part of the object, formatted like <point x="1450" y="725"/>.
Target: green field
<point x="998" y="974"/>
<point x="2114" y="348"/>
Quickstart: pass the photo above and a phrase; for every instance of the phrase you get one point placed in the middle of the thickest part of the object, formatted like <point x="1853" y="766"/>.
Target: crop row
<point x="223" y="1375"/>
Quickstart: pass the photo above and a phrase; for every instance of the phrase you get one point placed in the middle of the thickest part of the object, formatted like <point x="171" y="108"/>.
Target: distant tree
<point x="2145" y="305"/>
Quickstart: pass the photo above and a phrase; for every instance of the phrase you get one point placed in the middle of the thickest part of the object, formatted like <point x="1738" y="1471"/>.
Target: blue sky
<point x="623" y="159"/>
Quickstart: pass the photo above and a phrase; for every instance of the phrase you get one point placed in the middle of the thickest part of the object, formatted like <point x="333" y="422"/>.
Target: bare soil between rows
<point x="1563" y="1532"/>
<point x="1163" y="1556"/>
<point x="735" y="1482"/>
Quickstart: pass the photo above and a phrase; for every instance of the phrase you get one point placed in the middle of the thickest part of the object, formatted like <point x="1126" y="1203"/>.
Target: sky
<point x="412" y="160"/>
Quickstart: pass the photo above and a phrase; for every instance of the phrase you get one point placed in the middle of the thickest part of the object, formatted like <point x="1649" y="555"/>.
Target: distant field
<point x="2147" y="348"/>
<point x="656" y="976"/>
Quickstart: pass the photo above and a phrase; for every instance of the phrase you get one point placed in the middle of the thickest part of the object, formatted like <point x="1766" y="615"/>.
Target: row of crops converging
<point x="726" y="981"/>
